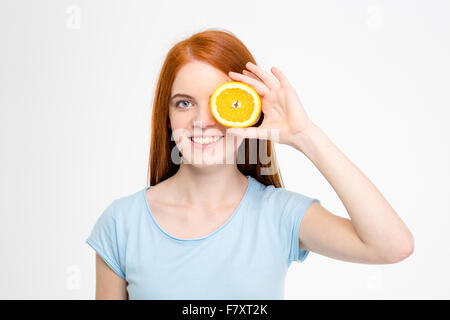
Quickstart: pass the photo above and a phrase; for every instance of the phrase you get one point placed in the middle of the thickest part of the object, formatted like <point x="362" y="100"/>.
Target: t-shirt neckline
<point x="227" y="222"/>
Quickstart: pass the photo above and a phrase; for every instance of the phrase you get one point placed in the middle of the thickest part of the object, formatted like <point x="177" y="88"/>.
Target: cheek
<point x="175" y="120"/>
<point x="179" y="122"/>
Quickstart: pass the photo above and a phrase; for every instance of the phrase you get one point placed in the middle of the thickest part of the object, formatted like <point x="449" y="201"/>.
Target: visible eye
<point x="177" y="104"/>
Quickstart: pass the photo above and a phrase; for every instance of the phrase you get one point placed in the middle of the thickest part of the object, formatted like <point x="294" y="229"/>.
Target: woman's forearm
<point x="375" y="221"/>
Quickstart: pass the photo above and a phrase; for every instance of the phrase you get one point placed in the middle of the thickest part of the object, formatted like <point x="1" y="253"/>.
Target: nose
<point x="204" y="118"/>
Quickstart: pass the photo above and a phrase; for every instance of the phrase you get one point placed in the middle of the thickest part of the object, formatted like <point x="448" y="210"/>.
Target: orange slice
<point x="235" y="104"/>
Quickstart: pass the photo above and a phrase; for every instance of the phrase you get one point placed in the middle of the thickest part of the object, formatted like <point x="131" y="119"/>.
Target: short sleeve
<point x="104" y="239"/>
<point x="291" y="217"/>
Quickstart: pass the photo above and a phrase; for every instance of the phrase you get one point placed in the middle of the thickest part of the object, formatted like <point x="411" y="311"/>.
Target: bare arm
<point x="109" y="286"/>
<point x="374" y="233"/>
<point x="330" y="235"/>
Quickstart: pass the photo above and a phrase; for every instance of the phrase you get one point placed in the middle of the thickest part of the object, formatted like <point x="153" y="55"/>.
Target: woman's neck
<point x="205" y="187"/>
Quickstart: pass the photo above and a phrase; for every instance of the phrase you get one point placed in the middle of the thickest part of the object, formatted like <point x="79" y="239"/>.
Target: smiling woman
<point x="201" y="209"/>
<point x="219" y="224"/>
<point x="193" y="69"/>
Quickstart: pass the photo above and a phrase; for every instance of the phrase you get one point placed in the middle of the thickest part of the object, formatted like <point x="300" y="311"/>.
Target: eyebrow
<point x="183" y="95"/>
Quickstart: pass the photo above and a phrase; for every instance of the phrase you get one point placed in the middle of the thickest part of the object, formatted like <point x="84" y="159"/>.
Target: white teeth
<point x="207" y="140"/>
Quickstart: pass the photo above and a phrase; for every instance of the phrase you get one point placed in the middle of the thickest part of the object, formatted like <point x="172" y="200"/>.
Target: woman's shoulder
<point x="266" y="191"/>
<point x="269" y="194"/>
<point x="129" y="204"/>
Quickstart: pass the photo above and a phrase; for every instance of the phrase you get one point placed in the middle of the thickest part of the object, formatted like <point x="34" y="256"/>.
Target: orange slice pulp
<point x="235" y="104"/>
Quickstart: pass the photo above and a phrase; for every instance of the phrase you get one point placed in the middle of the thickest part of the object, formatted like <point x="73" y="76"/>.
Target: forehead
<point x="197" y="78"/>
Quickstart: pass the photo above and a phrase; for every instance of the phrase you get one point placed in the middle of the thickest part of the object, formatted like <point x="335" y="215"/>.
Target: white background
<point x="77" y="80"/>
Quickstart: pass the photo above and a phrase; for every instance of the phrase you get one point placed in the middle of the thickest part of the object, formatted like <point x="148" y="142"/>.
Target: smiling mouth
<point x="205" y="140"/>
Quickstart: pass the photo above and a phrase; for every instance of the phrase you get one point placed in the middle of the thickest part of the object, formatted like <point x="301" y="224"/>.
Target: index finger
<point x="268" y="79"/>
<point x="280" y="76"/>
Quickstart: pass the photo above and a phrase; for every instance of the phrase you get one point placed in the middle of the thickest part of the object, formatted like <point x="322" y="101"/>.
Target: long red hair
<point x="226" y="52"/>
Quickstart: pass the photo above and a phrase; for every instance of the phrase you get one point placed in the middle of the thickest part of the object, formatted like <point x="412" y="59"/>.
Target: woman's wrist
<point x="312" y="141"/>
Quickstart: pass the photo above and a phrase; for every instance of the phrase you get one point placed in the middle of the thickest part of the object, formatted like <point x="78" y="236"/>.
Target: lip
<point x="205" y="146"/>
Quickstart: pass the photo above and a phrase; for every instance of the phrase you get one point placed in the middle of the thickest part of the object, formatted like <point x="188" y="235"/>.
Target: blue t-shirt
<point x="246" y="258"/>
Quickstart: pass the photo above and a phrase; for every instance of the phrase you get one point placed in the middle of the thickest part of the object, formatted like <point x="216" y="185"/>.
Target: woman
<point x="213" y="224"/>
